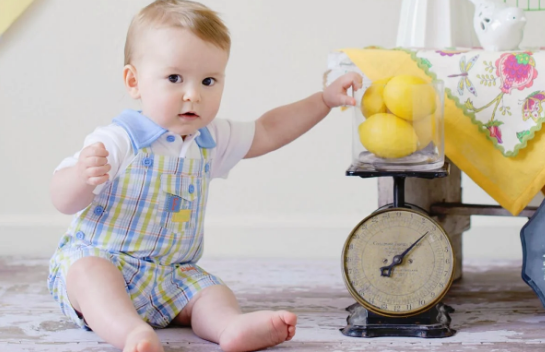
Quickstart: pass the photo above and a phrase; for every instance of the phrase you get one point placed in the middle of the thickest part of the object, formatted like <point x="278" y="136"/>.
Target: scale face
<point x="398" y="262"/>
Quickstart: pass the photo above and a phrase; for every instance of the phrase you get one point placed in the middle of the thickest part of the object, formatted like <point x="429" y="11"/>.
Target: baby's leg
<point x="215" y="315"/>
<point x="96" y="289"/>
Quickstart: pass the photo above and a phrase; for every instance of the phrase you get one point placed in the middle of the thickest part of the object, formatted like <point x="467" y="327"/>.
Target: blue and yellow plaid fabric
<point x="149" y="223"/>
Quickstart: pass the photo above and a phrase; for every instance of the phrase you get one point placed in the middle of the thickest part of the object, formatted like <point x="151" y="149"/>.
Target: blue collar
<point x="143" y="131"/>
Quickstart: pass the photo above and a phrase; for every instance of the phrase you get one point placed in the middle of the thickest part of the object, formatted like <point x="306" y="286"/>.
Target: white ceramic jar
<point x="436" y="24"/>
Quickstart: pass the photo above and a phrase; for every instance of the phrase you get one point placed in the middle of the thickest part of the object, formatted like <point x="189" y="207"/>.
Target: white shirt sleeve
<point x="117" y="143"/>
<point x="233" y="141"/>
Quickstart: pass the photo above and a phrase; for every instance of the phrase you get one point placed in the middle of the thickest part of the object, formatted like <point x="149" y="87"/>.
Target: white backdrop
<point x="60" y="77"/>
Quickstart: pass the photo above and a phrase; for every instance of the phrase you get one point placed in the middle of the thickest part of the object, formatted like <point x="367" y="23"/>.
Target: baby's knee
<point x="86" y="267"/>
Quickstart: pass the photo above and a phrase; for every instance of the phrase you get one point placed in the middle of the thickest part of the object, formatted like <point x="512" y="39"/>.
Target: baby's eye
<point x="209" y="81"/>
<point x="175" y="78"/>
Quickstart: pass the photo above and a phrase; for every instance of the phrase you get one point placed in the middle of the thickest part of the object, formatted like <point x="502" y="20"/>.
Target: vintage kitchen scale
<point x="398" y="264"/>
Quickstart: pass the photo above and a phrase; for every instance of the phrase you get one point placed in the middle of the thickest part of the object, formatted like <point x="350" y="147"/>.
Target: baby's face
<point x="180" y="79"/>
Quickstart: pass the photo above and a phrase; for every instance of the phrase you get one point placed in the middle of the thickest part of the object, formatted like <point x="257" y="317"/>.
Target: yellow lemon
<point x="409" y="97"/>
<point x="388" y="136"/>
<point x="425" y="130"/>
<point x="372" y="101"/>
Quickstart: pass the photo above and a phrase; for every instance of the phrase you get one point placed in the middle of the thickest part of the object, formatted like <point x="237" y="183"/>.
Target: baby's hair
<point x="196" y="17"/>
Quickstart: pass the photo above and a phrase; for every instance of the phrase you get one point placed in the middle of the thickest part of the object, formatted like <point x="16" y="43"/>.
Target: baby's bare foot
<point x="143" y="339"/>
<point x="257" y="330"/>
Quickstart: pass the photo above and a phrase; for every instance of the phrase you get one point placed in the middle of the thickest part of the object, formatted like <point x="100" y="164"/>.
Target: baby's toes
<point x="291" y="332"/>
<point x="289" y="318"/>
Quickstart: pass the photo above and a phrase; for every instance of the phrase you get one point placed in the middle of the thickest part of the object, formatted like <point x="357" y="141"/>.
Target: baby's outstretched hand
<point x="335" y="94"/>
<point x="93" y="164"/>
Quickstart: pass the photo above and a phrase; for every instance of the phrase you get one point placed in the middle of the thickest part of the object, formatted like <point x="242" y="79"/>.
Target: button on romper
<point x="148" y="222"/>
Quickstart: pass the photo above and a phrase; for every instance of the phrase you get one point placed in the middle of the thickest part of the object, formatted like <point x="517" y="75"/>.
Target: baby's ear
<point x="131" y="81"/>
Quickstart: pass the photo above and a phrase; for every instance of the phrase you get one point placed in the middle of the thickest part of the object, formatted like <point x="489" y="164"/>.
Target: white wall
<point x="60" y="77"/>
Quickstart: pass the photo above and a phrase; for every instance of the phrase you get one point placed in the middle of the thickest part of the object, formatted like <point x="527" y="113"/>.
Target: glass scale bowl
<point x="398" y="124"/>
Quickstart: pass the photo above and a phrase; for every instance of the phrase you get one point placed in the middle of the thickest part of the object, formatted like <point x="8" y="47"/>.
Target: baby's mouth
<point x="189" y="114"/>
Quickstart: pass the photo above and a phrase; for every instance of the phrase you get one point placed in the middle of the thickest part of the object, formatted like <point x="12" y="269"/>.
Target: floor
<point x="495" y="309"/>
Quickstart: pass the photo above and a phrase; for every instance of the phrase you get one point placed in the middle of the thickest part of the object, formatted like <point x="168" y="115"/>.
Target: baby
<point x="138" y="188"/>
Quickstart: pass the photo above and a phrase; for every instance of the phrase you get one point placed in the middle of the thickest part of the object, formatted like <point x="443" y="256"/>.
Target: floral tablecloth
<point x="501" y="92"/>
<point x="493" y="111"/>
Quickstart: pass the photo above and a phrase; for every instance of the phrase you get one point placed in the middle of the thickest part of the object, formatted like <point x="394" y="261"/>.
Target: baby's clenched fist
<point x="93" y="164"/>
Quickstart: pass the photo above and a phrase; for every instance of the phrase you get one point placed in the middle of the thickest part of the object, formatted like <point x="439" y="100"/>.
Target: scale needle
<point x="398" y="259"/>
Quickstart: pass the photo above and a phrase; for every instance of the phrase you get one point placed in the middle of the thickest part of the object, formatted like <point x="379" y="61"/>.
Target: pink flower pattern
<point x="495" y="132"/>
<point x="516" y="71"/>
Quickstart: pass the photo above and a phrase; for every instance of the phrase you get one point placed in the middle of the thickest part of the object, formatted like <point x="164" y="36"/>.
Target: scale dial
<point x="418" y="253"/>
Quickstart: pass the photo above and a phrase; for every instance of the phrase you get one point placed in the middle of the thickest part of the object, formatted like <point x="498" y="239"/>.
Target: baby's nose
<point x="192" y="94"/>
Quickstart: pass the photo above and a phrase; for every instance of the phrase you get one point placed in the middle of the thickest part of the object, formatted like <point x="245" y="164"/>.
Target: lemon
<point x="409" y="97"/>
<point x="388" y="136"/>
<point x="372" y="101"/>
<point x="425" y="130"/>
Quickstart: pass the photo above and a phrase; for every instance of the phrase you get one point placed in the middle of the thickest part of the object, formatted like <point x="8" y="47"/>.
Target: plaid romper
<point x="148" y="222"/>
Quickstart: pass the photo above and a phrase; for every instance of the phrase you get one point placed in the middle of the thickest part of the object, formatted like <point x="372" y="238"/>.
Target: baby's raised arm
<point x="72" y="187"/>
<point x="284" y="124"/>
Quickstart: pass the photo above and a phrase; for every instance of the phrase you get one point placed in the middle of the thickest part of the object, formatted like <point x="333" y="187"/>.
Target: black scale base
<point x="431" y="324"/>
